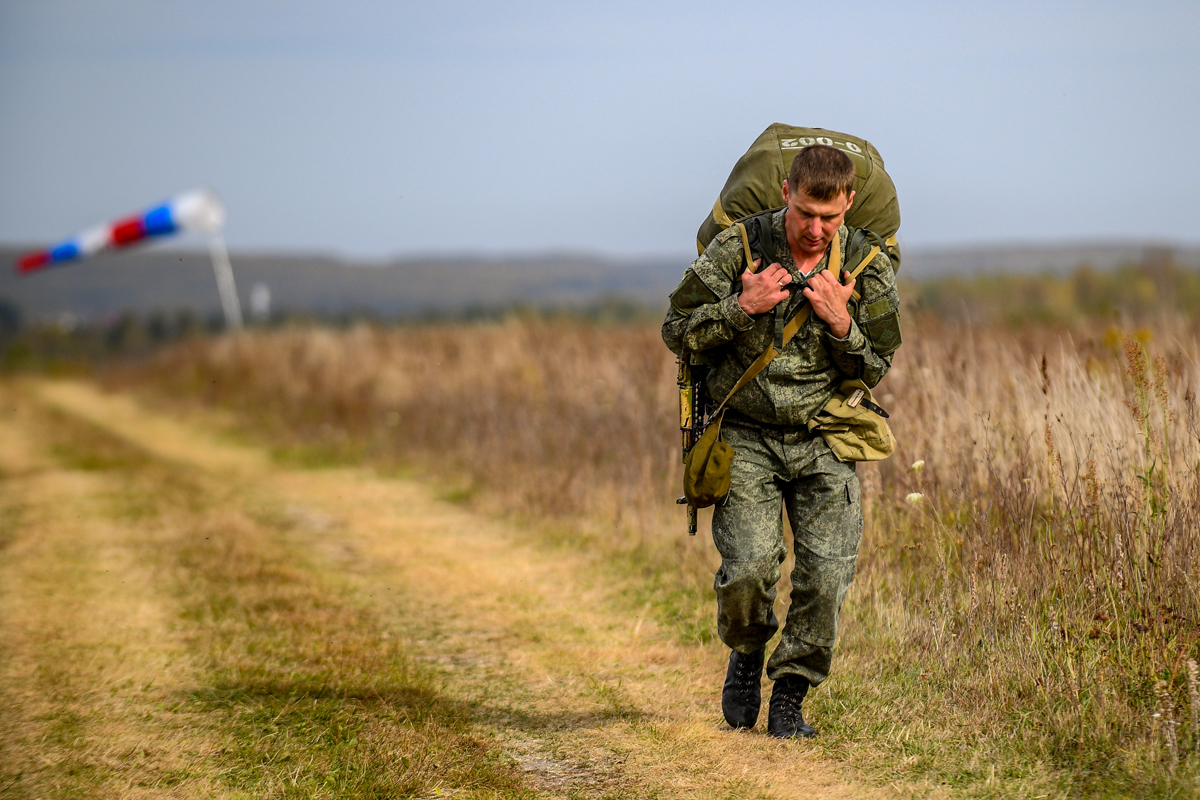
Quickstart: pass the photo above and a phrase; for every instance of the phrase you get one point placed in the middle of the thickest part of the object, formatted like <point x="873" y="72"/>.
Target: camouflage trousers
<point x="792" y="468"/>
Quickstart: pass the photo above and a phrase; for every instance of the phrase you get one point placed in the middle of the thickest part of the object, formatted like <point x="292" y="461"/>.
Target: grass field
<point x="1024" y="619"/>
<point x="1025" y="615"/>
<point x="182" y="615"/>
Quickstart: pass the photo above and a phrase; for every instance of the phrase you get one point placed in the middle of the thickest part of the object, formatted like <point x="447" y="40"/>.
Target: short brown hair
<point x="822" y="172"/>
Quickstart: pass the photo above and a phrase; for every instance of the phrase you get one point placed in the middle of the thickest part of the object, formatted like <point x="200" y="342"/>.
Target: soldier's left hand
<point x="829" y="299"/>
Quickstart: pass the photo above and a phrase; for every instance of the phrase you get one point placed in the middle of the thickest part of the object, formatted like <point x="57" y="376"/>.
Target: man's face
<point x="812" y="224"/>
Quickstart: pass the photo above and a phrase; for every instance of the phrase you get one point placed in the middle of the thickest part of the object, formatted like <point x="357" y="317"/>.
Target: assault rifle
<point x="693" y="409"/>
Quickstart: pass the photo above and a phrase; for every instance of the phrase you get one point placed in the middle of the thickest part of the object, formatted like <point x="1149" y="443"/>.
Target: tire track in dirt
<point x="587" y="696"/>
<point x="89" y="658"/>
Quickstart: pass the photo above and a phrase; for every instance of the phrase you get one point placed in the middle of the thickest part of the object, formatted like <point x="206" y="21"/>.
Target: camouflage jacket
<point x="705" y="319"/>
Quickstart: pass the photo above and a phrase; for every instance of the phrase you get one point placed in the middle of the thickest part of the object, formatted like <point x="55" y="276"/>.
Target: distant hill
<point x="167" y="280"/>
<point x="161" y="279"/>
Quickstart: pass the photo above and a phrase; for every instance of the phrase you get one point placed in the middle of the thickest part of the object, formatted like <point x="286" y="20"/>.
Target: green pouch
<point x="853" y="426"/>
<point x="707" y="466"/>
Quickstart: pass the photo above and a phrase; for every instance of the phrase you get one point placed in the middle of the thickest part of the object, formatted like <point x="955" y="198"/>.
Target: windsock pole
<point x="225" y="285"/>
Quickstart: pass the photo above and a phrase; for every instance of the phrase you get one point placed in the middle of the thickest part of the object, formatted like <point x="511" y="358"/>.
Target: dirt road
<point x="140" y="652"/>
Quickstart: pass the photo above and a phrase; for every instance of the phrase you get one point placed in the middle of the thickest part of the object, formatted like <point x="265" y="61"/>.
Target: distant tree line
<point x="1134" y="292"/>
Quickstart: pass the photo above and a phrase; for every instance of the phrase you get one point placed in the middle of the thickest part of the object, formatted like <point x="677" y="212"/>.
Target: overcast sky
<point x="377" y="128"/>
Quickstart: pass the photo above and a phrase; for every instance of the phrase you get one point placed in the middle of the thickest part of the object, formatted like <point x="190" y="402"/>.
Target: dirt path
<point x="589" y="698"/>
<point x="89" y="658"/>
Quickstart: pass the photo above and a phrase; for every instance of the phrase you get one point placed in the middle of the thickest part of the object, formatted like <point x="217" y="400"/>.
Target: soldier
<point x="728" y="314"/>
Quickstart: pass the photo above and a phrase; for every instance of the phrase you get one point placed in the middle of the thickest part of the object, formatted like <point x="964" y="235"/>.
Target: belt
<point x="735" y="417"/>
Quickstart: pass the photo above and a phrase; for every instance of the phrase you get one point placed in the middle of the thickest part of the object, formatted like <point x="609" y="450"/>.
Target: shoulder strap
<point x="766" y="237"/>
<point x="746" y="251"/>
<point x="857" y="241"/>
<point x="758" y="238"/>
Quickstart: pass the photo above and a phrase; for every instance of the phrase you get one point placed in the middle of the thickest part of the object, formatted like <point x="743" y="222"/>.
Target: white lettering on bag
<point x="798" y="142"/>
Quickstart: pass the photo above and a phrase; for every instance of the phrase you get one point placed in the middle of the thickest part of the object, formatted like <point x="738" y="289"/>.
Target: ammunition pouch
<point x="853" y="426"/>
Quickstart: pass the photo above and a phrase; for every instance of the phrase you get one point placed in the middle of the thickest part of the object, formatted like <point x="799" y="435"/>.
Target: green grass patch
<point x="459" y="495"/>
<point x="305" y="455"/>
<point x="77" y="445"/>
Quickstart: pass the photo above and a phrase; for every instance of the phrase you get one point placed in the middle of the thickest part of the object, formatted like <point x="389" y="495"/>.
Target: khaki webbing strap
<point x="794" y="326"/>
<point x="746" y="246"/>
<point x="835" y="257"/>
<point x="719" y="215"/>
<point x="861" y="266"/>
<point x="767" y="356"/>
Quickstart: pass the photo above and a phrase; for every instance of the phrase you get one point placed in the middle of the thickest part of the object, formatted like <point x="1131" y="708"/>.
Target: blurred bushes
<point x="1132" y="292"/>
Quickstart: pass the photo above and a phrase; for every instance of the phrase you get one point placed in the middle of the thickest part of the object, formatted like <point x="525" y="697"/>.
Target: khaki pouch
<point x="851" y="425"/>
<point x="707" y="466"/>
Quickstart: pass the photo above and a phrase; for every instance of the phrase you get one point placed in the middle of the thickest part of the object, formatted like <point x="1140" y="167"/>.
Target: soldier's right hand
<point x="762" y="291"/>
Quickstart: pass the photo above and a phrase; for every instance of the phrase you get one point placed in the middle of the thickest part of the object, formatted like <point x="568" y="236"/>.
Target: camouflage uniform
<point x="777" y="461"/>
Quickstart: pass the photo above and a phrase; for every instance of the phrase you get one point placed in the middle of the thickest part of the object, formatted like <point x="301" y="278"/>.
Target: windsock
<point x="199" y="210"/>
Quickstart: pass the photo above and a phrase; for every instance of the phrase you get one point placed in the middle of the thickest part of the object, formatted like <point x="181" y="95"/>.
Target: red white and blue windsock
<point x="199" y="210"/>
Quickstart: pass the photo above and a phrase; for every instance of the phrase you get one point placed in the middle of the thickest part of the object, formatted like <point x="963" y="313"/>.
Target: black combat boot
<point x="742" y="695"/>
<point x="784" y="719"/>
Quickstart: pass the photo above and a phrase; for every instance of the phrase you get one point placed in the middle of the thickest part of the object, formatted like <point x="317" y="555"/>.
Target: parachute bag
<point x="756" y="182"/>
<point x="707" y="467"/>
<point x="853" y="426"/>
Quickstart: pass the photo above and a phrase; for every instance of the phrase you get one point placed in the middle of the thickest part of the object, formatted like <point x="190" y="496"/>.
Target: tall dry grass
<point x="1035" y="578"/>
<point x="552" y="417"/>
<point x="1038" y="572"/>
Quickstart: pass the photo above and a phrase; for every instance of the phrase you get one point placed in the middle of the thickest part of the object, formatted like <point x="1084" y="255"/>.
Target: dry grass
<point x="522" y="407"/>
<point x="1025" y="625"/>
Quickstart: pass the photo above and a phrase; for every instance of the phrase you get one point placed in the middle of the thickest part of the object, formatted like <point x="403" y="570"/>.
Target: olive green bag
<point x="852" y="425"/>
<point x="756" y="184"/>
<point x="708" y="466"/>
